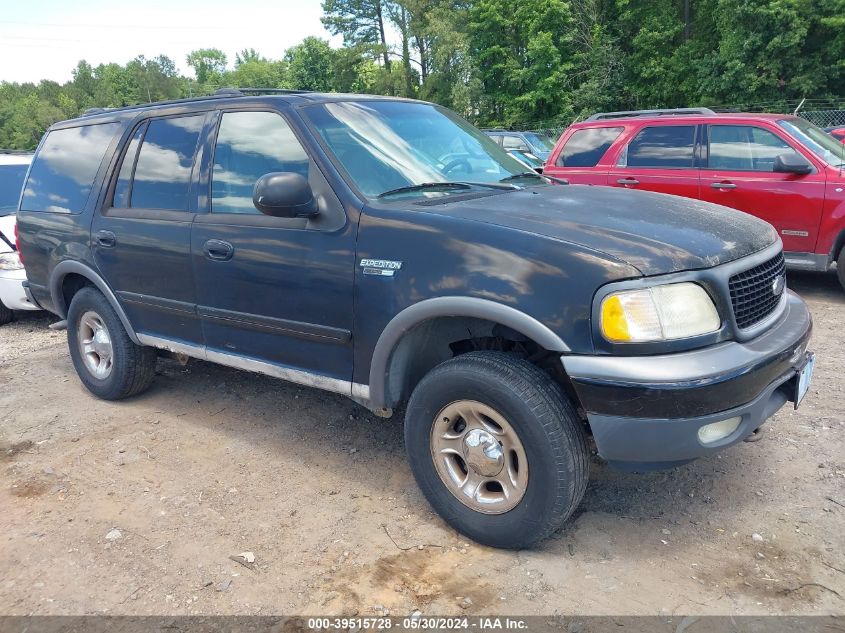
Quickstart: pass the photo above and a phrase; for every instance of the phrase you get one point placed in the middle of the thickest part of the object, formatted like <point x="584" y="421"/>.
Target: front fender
<point x="437" y="307"/>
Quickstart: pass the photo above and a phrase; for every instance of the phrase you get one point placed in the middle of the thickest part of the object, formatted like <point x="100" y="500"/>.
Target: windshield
<point x="386" y="146"/>
<point x="540" y="141"/>
<point x="816" y="140"/>
<point x="11" y="183"/>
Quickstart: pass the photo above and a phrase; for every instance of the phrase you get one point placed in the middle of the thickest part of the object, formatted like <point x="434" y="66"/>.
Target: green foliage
<point x="207" y="63"/>
<point x="499" y="62"/>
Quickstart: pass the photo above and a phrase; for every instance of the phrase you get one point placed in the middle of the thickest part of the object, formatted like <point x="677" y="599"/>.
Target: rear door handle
<point x="106" y="239"/>
<point x="723" y="185"/>
<point x="628" y="181"/>
<point x="218" y="250"/>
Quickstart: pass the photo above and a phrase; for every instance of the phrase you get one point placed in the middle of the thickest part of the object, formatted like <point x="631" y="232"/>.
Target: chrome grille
<point x="753" y="291"/>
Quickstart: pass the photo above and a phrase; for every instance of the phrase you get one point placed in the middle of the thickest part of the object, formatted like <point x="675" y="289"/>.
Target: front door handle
<point x="106" y="239"/>
<point x="218" y="250"/>
<point x="628" y="181"/>
<point x="723" y="185"/>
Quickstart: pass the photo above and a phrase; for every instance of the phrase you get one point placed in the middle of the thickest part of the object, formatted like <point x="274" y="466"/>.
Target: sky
<point x="44" y="39"/>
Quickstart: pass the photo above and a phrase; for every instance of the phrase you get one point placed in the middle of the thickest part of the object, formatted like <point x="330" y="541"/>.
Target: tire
<point x="130" y="368"/>
<point x="6" y="315"/>
<point x="544" y="421"/>
<point x="840" y="268"/>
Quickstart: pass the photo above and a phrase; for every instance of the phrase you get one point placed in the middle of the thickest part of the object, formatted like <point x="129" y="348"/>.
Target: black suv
<point x="387" y="250"/>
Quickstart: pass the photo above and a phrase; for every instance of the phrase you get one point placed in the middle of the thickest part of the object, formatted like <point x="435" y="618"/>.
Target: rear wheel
<point x="6" y="315"/>
<point x="497" y="448"/>
<point x="109" y="364"/>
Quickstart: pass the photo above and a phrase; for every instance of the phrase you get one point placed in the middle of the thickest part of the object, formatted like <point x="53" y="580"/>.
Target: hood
<point x="7" y="228"/>
<point x="655" y="233"/>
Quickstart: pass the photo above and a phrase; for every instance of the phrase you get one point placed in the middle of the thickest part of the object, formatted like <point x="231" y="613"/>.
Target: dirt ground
<point x="137" y="507"/>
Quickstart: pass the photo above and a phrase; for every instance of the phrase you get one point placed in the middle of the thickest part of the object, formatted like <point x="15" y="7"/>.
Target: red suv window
<point x="586" y="147"/>
<point x="661" y="147"/>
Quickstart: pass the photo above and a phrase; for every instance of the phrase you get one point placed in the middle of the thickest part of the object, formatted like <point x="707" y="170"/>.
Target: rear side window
<point x="514" y="143"/>
<point x="124" y="180"/>
<point x="663" y="146"/>
<point x="586" y="147"/>
<point x="161" y="178"/>
<point x="745" y="148"/>
<point x="64" y="169"/>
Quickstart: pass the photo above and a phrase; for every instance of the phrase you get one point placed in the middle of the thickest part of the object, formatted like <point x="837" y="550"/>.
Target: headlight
<point x="10" y="261"/>
<point x="661" y="313"/>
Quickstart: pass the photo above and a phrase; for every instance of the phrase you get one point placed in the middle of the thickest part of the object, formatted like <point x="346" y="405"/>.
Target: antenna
<point x="795" y="113"/>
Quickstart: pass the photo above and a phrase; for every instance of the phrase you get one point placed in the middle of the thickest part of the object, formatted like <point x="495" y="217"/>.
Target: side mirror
<point x="284" y="194"/>
<point x="792" y="163"/>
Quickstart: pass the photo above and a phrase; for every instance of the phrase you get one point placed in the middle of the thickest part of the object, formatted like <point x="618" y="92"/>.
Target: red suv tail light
<point x="18" y="242"/>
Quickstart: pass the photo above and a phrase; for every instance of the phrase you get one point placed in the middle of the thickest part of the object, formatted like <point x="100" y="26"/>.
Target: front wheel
<point x="109" y="364"/>
<point x="496" y="448"/>
<point x="840" y="268"/>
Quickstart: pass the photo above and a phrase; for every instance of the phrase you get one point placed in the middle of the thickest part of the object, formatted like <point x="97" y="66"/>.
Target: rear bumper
<point x="12" y="292"/>
<point x="646" y="411"/>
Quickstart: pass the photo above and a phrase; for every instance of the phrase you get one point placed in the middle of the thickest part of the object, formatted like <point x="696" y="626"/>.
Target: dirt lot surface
<point x="137" y="507"/>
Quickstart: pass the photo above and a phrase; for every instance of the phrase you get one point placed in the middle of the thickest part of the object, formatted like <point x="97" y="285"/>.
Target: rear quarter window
<point x="65" y="167"/>
<point x="586" y="147"/>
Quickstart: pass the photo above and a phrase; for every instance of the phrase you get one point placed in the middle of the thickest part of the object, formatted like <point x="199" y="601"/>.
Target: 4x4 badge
<point x="380" y="267"/>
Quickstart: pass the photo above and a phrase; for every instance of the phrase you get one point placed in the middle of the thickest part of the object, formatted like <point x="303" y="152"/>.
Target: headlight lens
<point x="661" y="313"/>
<point x="10" y="261"/>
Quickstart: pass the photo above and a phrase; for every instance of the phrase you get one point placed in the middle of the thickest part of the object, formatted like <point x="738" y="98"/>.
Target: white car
<point x="13" y="166"/>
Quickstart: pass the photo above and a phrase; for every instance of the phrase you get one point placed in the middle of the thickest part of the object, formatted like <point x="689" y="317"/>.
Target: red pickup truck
<point x="780" y="168"/>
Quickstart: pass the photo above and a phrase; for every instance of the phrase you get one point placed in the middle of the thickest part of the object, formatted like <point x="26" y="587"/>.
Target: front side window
<point x="745" y="148"/>
<point x="250" y="145"/>
<point x="162" y="174"/>
<point x="586" y="147"/>
<point x="387" y="145"/>
<point x="64" y="170"/>
<point x="11" y="182"/>
<point x="661" y="147"/>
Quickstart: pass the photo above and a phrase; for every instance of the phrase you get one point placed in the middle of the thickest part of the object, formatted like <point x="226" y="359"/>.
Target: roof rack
<point x="16" y="151"/>
<point x="638" y="113"/>
<point x="220" y="93"/>
<point x="268" y="91"/>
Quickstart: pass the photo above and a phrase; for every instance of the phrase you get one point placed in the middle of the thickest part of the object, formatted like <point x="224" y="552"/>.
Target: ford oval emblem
<point x="778" y="285"/>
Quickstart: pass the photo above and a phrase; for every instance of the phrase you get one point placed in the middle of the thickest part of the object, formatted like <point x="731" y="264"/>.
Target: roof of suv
<point x="234" y="95"/>
<point x="646" y="116"/>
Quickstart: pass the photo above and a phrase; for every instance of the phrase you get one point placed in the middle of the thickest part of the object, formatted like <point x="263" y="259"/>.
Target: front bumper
<point x="645" y="411"/>
<point x="12" y="293"/>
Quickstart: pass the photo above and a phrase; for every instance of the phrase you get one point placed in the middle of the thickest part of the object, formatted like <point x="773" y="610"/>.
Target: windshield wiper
<point x="534" y="174"/>
<point x="434" y="186"/>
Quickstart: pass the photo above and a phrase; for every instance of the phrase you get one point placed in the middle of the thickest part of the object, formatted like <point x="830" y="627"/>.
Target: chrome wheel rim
<point x="479" y="457"/>
<point x="95" y="345"/>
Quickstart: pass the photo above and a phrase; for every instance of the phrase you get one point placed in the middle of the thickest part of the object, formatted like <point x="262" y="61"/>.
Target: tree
<point x="360" y="22"/>
<point x="310" y="65"/>
<point x="523" y="52"/>
<point x="207" y="63"/>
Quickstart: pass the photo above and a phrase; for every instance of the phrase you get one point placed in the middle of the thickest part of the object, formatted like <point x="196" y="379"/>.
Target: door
<point x="659" y="158"/>
<point x="269" y="289"/>
<point x="142" y="239"/>
<point x="739" y="174"/>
